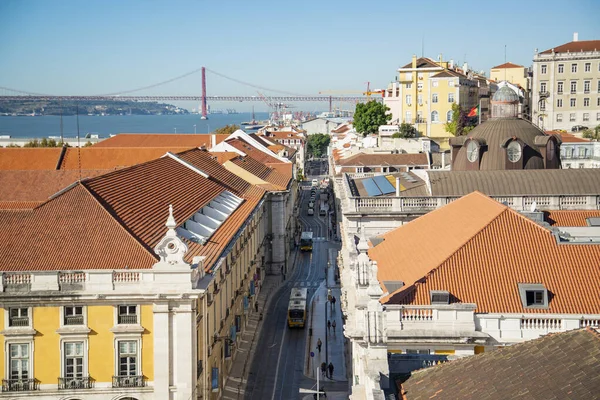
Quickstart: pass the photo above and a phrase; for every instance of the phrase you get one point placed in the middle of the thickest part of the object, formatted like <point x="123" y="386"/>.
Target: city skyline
<point x="109" y="47"/>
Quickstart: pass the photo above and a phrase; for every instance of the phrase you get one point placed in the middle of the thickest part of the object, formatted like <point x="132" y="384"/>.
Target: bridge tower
<point x="204" y="110"/>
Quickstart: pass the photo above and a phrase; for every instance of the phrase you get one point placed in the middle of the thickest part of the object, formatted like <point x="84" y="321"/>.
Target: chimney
<point x="451" y="65"/>
<point x="397" y="187"/>
<point x="465" y="67"/>
<point x="575" y="36"/>
<point x="414" y="61"/>
<point x="213" y="140"/>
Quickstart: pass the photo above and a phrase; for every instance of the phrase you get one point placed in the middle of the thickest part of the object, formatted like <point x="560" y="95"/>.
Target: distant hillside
<point x="37" y="107"/>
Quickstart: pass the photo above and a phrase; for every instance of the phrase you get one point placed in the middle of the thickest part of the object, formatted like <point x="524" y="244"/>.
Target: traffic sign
<point x="312" y="353"/>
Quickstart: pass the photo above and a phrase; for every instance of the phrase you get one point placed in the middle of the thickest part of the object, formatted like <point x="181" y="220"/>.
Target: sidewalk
<point x="235" y="386"/>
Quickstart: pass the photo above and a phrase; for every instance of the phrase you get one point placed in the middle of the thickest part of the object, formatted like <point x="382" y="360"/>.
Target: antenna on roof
<point x="78" y="145"/>
<point x="423" y="45"/>
<point x="505" y="62"/>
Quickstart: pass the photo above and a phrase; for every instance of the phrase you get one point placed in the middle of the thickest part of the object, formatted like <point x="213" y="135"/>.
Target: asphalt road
<point x="277" y="370"/>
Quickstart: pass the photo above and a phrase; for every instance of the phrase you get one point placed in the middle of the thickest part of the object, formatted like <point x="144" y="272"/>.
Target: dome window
<point x="472" y="151"/>
<point x="514" y="151"/>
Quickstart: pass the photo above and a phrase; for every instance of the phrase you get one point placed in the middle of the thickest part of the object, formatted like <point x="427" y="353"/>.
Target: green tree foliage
<point x="406" y="131"/>
<point x="227" y="130"/>
<point x="593" y="134"/>
<point x="88" y="144"/>
<point x="316" y="145"/>
<point x="43" y="143"/>
<point x="460" y="124"/>
<point x="368" y="117"/>
<point x="300" y="175"/>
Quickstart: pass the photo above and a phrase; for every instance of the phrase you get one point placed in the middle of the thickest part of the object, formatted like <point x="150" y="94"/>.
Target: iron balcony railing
<point x="83" y="382"/>
<point x="18" y="321"/>
<point x="127" y="319"/>
<point x="19" y="385"/>
<point x="74" y="320"/>
<point x="128" y="381"/>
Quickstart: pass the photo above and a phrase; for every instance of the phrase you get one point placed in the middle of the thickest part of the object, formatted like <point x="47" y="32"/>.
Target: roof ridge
<point x="119" y="222"/>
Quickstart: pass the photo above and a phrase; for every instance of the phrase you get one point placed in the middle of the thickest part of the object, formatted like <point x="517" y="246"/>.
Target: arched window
<point x="449" y="116"/>
<point x="434" y="116"/>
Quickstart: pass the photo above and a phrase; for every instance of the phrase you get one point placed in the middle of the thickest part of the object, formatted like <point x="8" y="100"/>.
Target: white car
<point x="315" y="183"/>
<point x="311" y="211"/>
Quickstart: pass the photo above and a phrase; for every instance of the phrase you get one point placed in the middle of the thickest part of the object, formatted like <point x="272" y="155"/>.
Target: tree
<point x="227" y="129"/>
<point x="406" y="131"/>
<point x="300" y="175"/>
<point x="316" y="145"/>
<point x="460" y="124"/>
<point x="368" y="117"/>
<point x="592" y="134"/>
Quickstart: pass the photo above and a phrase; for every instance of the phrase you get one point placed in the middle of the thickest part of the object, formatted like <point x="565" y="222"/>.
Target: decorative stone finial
<point x="171" y="249"/>
<point x="374" y="289"/>
<point x="171" y="224"/>
<point x="363" y="245"/>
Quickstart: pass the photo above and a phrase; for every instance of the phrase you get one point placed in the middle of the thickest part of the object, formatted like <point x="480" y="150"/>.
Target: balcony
<point x="83" y="382"/>
<point x="128" y="381"/>
<point x="74" y="320"/>
<point x="19" y="385"/>
<point x="128" y="319"/>
<point x="18" y="321"/>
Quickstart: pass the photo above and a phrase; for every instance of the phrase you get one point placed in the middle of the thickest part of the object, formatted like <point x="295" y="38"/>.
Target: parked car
<point x="311" y="211"/>
<point x="315" y="182"/>
<point x="311" y="204"/>
<point x="578" y="128"/>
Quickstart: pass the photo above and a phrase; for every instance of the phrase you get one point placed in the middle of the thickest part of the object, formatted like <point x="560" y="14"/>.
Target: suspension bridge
<point x="8" y="94"/>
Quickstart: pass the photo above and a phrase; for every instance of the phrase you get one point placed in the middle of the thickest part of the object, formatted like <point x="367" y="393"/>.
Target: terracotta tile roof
<point x="262" y="140"/>
<point x="422" y="62"/>
<point x="112" y="157"/>
<point x="489" y="242"/>
<point x="251" y="151"/>
<point x="562" y="365"/>
<point x="38" y="185"/>
<point x="73" y="219"/>
<point x="516" y="182"/>
<point x="19" y="205"/>
<point x="29" y="158"/>
<point x="169" y="140"/>
<point x="204" y="161"/>
<point x="276" y="148"/>
<point x="570" y="217"/>
<point x="364" y="159"/>
<point x="567" y="137"/>
<point x="263" y="172"/>
<point x="279" y="135"/>
<point x="575" y="47"/>
<point x="507" y="65"/>
<point x="224" y="156"/>
<point x="139" y="196"/>
<point x="341" y="129"/>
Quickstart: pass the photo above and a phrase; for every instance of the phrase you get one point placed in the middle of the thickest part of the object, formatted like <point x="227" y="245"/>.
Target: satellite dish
<point x="533" y="205"/>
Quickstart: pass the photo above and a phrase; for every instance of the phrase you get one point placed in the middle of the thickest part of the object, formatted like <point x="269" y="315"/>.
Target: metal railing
<point x="18" y="321"/>
<point x="83" y="382"/>
<point x="74" y="320"/>
<point x="128" y="381"/>
<point x="128" y="319"/>
<point x="19" y="385"/>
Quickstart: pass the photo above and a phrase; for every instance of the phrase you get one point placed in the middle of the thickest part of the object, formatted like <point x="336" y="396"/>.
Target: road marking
<point x="278" y="361"/>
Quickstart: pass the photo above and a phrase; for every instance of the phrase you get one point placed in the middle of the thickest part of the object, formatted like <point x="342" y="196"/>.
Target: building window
<point x="420" y="99"/>
<point x="408" y="117"/>
<point x="574" y="68"/>
<point x="440" y="297"/>
<point x="588" y="67"/>
<point x="420" y="86"/>
<point x="513" y="151"/>
<point x="408" y="99"/>
<point x="598" y="116"/>
<point x="573" y="102"/>
<point x="409" y="85"/>
<point x="586" y="116"/>
<point x="434" y="116"/>
<point x="449" y="116"/>
<point x="572" y="117"/>
<point x="472" y="151"/>
<point x="573" y="87"/>
<point x="127" y="315"/>
<point x="586" y="102"/>
<point x="409" y="76"/>
<point x="359" y="170"/>
<point x="561" y="68"/>
<point x="73" y="359"/>
<point x="434" y="98"/>
<point x="543" y="105"/>
<point x="19" y="361"/>
<point x="73" y="315"/>
<point x="127" y="358"/>
<point x="18" y="317"/>
<point x="434" y="83"/>
<point x="544" y="69"/>
<point x="568" y="165"/>
<point x="533" y="295"/>
<point x="558" y="102"/>
<point x="558" y="117"/>
<point x="598" y="102"/>
<point x="417" y="351"/>
<point x="543" y="87"/>
<point x="450" y="97"/>
<point x="586" y="86"/>
<point x="214" y="380"/>
<point x="451" y="83"/>
<point x="582" y="152"/>
<point x="581" y="165"/>
<point x="535" y="298"/>
<point x="560" y="87"/>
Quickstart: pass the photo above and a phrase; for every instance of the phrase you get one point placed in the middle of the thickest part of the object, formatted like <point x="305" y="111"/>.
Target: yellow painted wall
<point x="101" y="362"/>
<point x="445" y="351"/>
<point x="46" y="363"/>
<point x="147" y="342"/>
<point x="513" y="75"/>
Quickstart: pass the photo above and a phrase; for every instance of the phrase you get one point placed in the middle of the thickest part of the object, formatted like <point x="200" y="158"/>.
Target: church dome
<point x="505" y="95"/>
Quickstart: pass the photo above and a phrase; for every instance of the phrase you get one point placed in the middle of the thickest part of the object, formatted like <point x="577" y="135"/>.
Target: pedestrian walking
<point x="323" y="369"/>
<point x="328" y="326"/>
<point x="256" y="306"/>
<point x="333" y="324"/>
<point x="333" y="302"/>
<point x="319" y="344"/>
<point x="330" y="367"/>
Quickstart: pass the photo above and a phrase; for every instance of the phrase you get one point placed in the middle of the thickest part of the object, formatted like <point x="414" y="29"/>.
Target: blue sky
<point x="97" y="47"/>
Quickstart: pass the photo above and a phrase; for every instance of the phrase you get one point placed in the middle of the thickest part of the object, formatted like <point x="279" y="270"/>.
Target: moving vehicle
<point x="306" y="241"/>
<point x="311" y="204"/>
<point x="297" y="307"/>
<point x="315" y="183"/>
<point x="323" y="210"/>
<point x="311" y="211"/>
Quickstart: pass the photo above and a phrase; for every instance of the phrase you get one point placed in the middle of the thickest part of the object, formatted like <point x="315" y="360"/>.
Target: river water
<point x="45" y="126"/>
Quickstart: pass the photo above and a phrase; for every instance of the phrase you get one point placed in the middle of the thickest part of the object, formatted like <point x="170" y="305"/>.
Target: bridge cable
<point x="254" y="86"/>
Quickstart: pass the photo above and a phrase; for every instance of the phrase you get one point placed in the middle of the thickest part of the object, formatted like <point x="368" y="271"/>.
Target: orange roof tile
<point x="570" y="217"/>
<point x="567" y="137"/>
<point x="276" y="148"/>
<point x="19" y="205"/>
<point x="575" y="47"/>
<point x="168" y="140"/>
<point x="29" y="158"/>
<point x="224" y="156"/>
<point x="253" y="152"/>
<point x="366" y="159"/>
<point x="507" y="65"/>
<point x="50" y="231"/>
<point x="112" y="157"/>
<point x="38" y="185"/>
<point x="490" y="249"/>
<point x="262" y="171"/>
